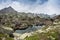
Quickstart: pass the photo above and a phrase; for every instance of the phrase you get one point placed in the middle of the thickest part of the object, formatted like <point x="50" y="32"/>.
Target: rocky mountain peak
<point x="8" y="10"/>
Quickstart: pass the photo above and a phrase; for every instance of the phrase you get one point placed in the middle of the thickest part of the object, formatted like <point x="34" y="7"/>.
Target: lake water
<point x="30" y="29"/>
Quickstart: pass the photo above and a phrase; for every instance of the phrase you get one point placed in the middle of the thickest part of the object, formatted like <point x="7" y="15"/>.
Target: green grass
<point x="50" y="35"/>
<point x="9" y="38"/>
<point x="5" y="36"/>
<point x="34" y="37"/>
<point x="2" y="35"/>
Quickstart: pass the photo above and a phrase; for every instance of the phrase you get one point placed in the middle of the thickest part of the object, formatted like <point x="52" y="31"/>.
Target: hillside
<point x="21" y="20"/>
<point x="34" y="26"/>
<point x="47" y="33"/>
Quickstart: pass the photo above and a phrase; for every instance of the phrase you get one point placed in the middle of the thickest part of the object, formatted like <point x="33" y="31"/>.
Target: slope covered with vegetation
<point x="9" y="18"/>
<point x="48" y="33"/>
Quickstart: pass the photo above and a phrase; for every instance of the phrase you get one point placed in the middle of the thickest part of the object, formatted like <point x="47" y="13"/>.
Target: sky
<point x="34" y="6"/>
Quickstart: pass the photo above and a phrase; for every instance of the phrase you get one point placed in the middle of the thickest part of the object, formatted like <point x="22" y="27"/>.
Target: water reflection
<point x="30" y="29"/>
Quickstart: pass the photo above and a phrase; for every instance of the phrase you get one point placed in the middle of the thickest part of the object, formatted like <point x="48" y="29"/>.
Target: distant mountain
<point x="57" y="17"/>
<point x="42" y="15"/>
<point x="52" y="16"/>
<point x="8" y="10"/>
<point x="11" y="10"/>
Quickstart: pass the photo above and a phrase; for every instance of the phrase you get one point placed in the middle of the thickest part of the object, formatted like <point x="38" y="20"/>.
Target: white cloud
<point x="49" y="7"/>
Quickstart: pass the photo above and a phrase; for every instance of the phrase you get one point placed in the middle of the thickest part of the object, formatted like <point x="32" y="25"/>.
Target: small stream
<point x="30" y="29"/>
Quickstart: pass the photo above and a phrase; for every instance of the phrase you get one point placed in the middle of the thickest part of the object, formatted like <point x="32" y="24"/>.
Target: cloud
<point x="32" y="1"/>
<point x="37" y="6"/>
